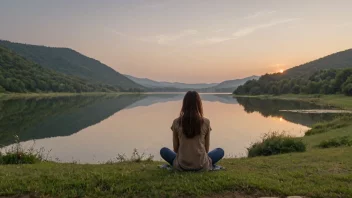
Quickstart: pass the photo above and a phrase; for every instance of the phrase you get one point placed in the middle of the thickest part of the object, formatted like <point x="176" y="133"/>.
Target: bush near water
<point x="276" y="143"/>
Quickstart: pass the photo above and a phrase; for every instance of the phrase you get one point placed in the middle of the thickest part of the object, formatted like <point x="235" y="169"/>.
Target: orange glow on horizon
<point x="281" y="71"/>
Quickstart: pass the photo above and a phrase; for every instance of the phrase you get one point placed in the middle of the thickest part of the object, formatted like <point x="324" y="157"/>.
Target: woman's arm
<point x="207" y="139"/>
<point x="175" y="141"/>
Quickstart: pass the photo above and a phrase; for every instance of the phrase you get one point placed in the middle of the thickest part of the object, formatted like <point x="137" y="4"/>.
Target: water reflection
<point x="270" y="107"/>
<point x="96" y="128"/>
<point x="51" y="117"/>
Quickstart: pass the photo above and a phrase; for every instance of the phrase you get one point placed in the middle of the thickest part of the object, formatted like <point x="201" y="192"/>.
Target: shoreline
<point x="53" y="95"/>
<point x="339" y="101"/>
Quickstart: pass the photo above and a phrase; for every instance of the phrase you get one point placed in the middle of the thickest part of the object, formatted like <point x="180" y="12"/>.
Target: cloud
<point x="168" y="38"/>
<point x="259" y="14"/>
<point x="246" y="31"/>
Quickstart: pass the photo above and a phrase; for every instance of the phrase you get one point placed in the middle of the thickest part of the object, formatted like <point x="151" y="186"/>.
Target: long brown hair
<point x="191" y="116"/>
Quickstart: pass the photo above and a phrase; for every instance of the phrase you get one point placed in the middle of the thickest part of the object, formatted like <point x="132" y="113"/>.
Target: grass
<point x="322" y="127"/>
<point x="314" y="140"/>
<point x="336" y="142"/>
<point x="136" y="157"/>
<point x="318" y="173"/>
<point x="276" y="143"/>
<point x="340" y="101"/>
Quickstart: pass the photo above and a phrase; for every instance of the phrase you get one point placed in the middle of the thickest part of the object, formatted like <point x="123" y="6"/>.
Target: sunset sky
<point x="186" y="41"/>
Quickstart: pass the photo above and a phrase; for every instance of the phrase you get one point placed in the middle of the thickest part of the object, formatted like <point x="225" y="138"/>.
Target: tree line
<point x="328" y="81"/>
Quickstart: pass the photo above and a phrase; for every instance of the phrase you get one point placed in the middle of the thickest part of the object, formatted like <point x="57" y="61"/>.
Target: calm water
<point x="96" y="129"/>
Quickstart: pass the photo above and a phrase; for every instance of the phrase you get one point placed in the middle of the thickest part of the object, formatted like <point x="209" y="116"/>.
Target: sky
<point x="191" y="41"/>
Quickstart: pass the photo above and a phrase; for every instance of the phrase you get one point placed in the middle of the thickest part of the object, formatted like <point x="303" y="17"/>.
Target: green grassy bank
<point x="340" y="101"/>
<point x="315" y="173"/>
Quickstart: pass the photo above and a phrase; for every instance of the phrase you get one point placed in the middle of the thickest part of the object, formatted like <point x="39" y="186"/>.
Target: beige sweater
<point x="192" y="154"/>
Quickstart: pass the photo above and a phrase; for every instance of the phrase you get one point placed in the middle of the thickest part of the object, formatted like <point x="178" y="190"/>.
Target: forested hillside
<point x="328" y="81"/>
<point x="20" y="75"/>
<point x="70" y="62"/>
<point x="337" y="60"/>
<point x="328" y="75"/>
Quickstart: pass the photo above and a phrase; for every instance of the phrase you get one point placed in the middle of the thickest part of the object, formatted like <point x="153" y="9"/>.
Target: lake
<point x="95" y="129"/>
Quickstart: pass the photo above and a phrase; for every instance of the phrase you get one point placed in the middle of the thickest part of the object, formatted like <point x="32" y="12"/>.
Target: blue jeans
<point x="169" y="156"/>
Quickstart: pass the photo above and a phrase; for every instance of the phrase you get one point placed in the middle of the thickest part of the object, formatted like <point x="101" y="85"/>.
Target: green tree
<point x="255" y="91"/>
<point x="296" y="89"/>
<point x="2" y="90"/>
<point x="347" y="89"/>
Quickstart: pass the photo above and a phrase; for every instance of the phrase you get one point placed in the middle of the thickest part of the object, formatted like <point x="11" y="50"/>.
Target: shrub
<point x="274" y="144"/>
<point x="18" y="155"/>
<point x="336" y="142"/>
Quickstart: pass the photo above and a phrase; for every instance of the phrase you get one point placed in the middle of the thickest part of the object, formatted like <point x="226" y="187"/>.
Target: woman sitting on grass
<point x="191" y="137"/>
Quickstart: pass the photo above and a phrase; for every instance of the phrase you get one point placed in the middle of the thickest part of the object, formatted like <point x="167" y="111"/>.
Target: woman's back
<point x="192" y="153"/>
<point x="191" y="137"/>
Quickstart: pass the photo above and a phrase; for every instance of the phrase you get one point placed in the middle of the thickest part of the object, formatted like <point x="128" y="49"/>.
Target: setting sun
<point x="281" y="71"/>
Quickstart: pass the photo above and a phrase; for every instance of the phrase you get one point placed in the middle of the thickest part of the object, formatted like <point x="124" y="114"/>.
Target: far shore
<point x="338" y="100"/>
<point x="52" y="95"/>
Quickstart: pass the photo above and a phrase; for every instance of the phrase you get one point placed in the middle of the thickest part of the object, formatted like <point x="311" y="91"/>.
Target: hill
<point x="18" y="74"/>
<point x="328" y="75"/>
<point x="156" y="84"/>
<point x="70" y="62"/>
<point x="342" y="59"/>
<point x="230" y="85"/>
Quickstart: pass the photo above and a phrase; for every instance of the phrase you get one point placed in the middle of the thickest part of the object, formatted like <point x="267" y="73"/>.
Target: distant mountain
<point x="226" y="86"/>
<point x="232" y="84"/>
<point x="156" y="84"/>
<point x="337" y="60"/>
<point x="70" y="62"/>
<point x="20" y="75"/>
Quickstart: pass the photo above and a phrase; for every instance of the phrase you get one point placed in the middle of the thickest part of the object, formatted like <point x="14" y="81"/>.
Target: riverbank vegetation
<point x="331" y="81"/>
<point x="336" y="100"/>
<point x="275" y="143"/>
